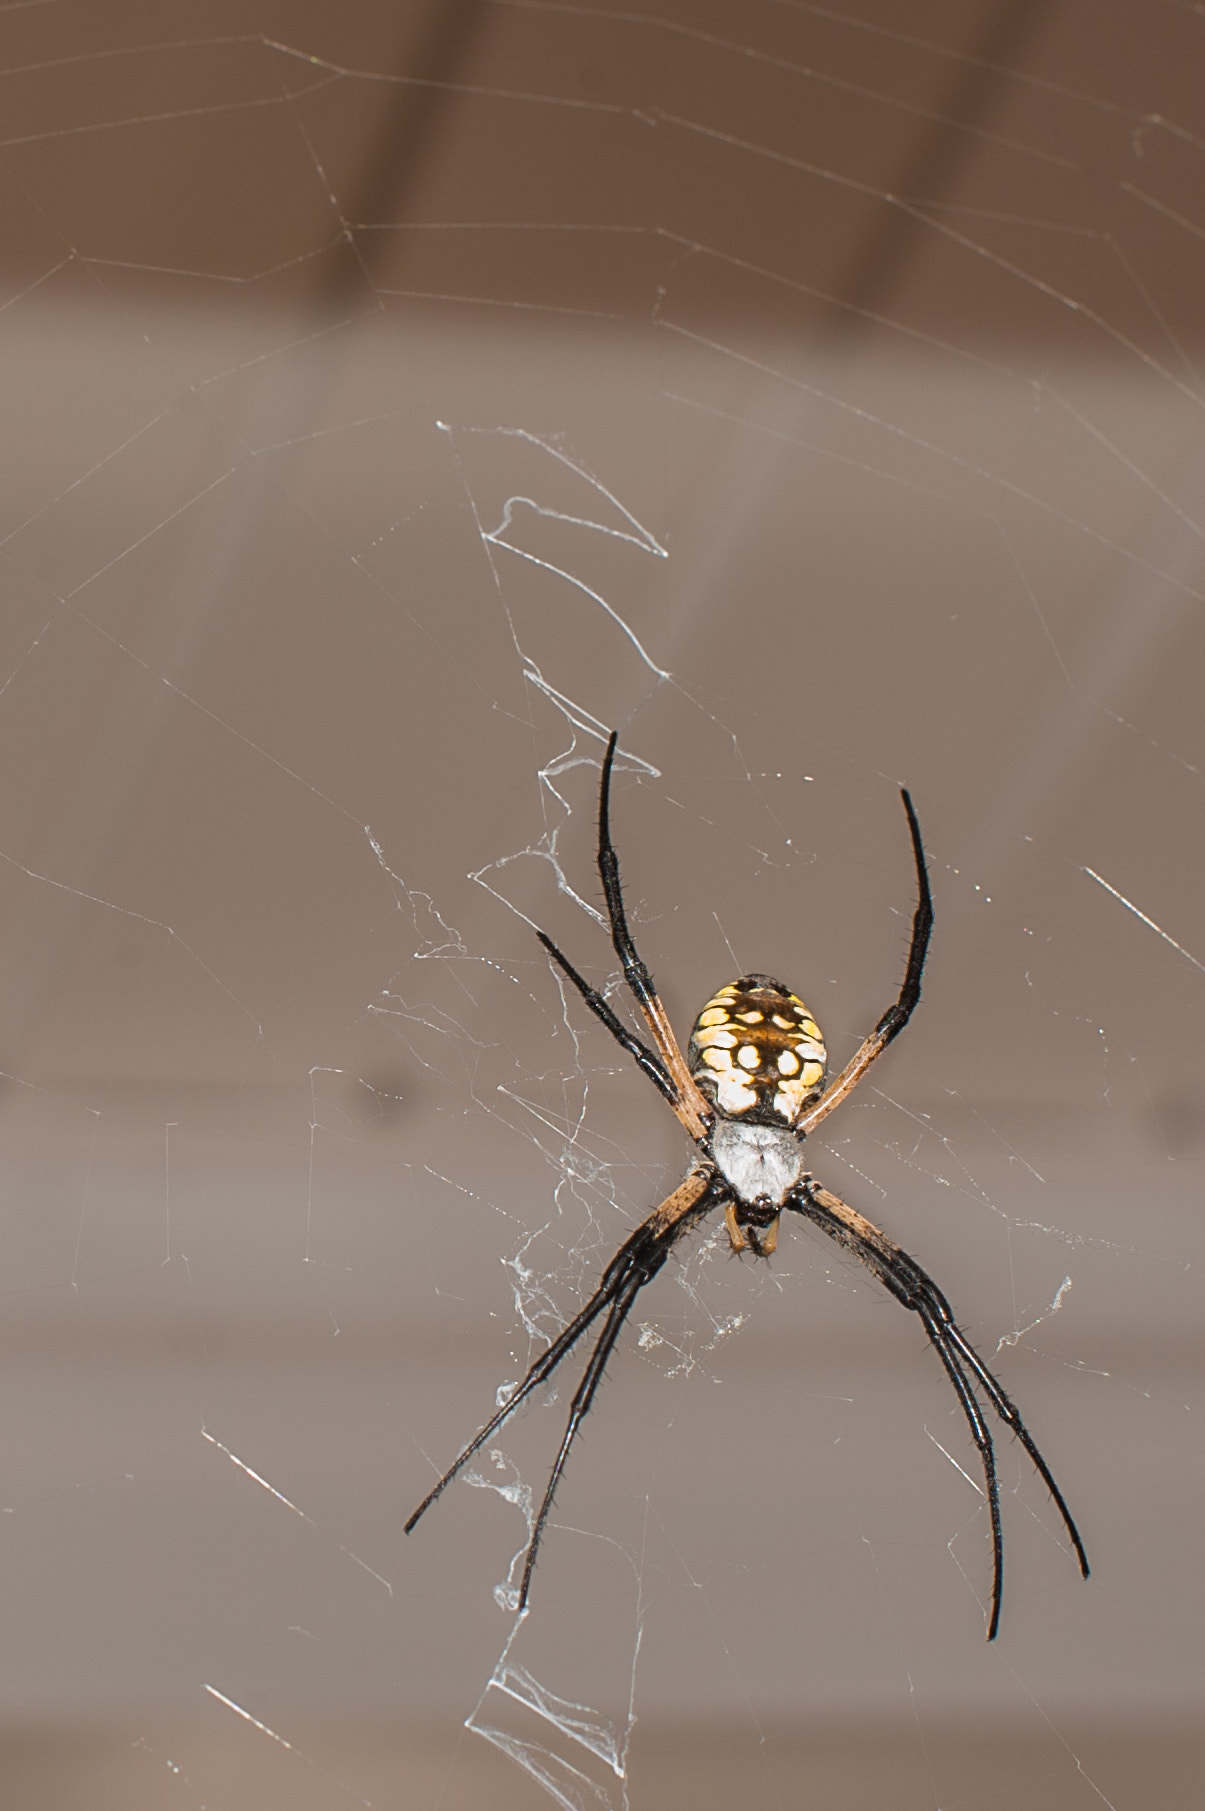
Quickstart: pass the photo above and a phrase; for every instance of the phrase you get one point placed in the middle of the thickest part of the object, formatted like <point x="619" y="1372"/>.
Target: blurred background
<point x="397" y="397"/>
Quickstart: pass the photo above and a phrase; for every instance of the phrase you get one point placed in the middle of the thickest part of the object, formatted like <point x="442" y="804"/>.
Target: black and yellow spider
<point x="749" y="1090"/>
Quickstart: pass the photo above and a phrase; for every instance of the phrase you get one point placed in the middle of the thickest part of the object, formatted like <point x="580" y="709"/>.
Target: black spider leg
<point x="635" y="973"/>
<point x="652" y="1065"/>
<point x="1008" y="1412"/>
<point x="647" y="1250"/>
<point x="689" y="1104"/>
<point x="916" y="1290"/>
<point x="905" y="1291"/>
<point x="897" y="1016"/>
<point x="901" y="1009"/>
<point x="544" y="1366"/>
<point x="964" y="1352"/>
<point x="580" y="1406"/>
<point x="636" y="1262"/>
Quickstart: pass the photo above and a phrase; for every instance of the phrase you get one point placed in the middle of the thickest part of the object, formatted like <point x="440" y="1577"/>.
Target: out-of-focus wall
<point x="397" y="400"/>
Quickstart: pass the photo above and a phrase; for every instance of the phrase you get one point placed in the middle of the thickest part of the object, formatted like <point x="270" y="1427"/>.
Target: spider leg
<point x="964" y="1355"/>
<point x="1008" y="1412"/>
<point x="652" y="1065"/>
<point x="650" y="1244"/>
<point x="981" y="1434"/>
<point x="582" y="1398"/>
<point x="901" y="1010"/>
<point x="916" y="1290"/>
<point x="697" y="1196"/>
<point x="543" y="1367"/>
<point x="690" y="1106"/>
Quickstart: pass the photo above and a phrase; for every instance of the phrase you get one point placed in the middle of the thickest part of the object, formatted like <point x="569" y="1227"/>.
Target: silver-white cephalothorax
<point x="761" y="1162"/>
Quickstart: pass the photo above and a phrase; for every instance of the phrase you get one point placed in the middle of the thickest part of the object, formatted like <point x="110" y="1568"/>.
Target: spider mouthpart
<point x="753" y="1225"/>
<point x="755" y="1050"/>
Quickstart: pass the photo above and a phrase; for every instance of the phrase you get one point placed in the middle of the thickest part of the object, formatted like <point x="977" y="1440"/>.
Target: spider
<point x="749" y="1090"/>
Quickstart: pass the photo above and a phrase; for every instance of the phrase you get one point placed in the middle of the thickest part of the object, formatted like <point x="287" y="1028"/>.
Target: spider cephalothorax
<point x="748" y="1092"/>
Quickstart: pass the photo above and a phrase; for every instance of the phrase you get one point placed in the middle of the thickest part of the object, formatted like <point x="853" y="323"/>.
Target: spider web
<point x="399" y="402"/>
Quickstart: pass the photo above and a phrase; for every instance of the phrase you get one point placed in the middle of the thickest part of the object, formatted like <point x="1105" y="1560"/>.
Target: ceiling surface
<point x="399" y="398"/>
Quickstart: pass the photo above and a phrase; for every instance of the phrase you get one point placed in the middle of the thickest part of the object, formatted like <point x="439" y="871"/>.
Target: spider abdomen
<point x="756" y="1049"/>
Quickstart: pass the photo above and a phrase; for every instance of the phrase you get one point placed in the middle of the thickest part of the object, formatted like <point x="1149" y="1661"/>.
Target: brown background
<point x="397" y="395"/>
